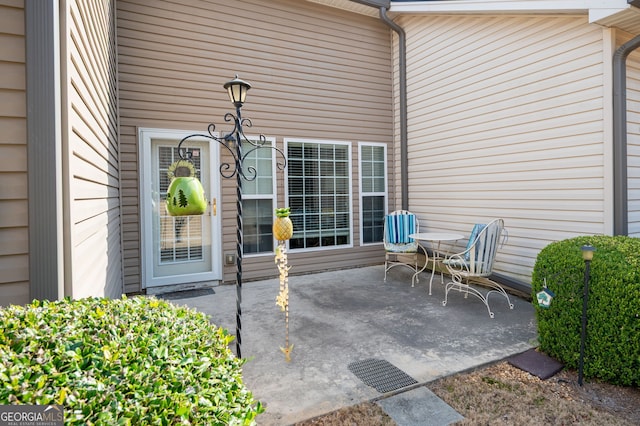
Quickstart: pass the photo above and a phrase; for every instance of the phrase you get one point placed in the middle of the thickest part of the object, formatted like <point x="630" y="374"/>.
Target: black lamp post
<point x="233" y="142"/>
<point x="587" y="255"/>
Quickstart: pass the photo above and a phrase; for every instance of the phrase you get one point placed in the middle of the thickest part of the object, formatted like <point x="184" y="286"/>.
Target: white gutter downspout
<point x="620" y="196"/>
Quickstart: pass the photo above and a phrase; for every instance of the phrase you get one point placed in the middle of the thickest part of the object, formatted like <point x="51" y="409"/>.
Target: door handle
<point x="214" y="206"/>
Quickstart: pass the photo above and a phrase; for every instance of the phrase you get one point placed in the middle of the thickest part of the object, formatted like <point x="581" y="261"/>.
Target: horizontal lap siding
<point x="506" y="120"/>
<point x="633" y="136"/>
<point x="317" y="72"/>
<point x="14" y="246"/>
<point x="95" y="257"/>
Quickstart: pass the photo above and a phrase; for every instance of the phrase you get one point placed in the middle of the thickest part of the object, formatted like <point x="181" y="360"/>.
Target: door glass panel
<point x="182" y="244"/>
<point x="180" y="236"/>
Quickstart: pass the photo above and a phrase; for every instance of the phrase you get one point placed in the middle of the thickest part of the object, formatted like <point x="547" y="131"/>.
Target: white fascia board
<point x="600" y="8"/>
<point x="596" y="14"/>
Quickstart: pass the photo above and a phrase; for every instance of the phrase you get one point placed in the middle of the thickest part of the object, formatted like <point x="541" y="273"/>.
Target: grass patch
<point x="504" y="395"/>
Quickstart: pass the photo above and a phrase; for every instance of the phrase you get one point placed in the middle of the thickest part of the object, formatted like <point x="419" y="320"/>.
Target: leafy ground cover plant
<point x="127" y="361"/>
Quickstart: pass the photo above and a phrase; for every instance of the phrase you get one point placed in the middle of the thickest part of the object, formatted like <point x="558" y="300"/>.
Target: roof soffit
<point x="623" y="14"/>
<point x="627" y="20"/>
<point x="506" y="6"/>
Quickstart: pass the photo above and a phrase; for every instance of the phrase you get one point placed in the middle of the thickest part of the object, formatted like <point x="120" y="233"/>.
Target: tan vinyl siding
<point x="14" y="246"/>
<point x="94" y="262"/>
<point x="633" y="137"/>
<point x="317" y="73"/>
<point x="506" y="120"/>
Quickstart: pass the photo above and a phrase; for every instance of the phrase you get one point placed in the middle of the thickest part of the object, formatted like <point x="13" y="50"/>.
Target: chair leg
<point x="415" y="273"/>
<point x="467" y="289"/>
<point x="495" y="288"/>
<point x="391" y="260"/>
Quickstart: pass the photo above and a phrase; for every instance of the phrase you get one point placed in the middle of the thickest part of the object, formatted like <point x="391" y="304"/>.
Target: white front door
<point x="178" y="249"/>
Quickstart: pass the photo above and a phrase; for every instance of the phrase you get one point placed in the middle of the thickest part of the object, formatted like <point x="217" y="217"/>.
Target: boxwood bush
<point x="126" y="361"/>
<point x="612" y="350"/>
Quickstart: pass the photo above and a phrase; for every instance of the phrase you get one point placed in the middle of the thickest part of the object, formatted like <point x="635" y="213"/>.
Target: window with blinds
<point x="258" y="200"/>
<point x="373" y="191"/>
<point x="319" y="193"/>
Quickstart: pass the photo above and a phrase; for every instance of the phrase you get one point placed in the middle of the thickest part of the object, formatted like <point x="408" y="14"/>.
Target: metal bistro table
<point x="436" y="239"/>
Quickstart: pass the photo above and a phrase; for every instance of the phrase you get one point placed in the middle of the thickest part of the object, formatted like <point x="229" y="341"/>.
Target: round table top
<point x="436" y="236"/>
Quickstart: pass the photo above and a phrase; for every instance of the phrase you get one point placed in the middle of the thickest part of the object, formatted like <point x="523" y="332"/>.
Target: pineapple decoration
<point x="282" y="231"/>
<point x="282" y="226"/>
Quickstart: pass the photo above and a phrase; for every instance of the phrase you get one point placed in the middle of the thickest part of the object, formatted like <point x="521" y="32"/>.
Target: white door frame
<point x="145" y="136"/>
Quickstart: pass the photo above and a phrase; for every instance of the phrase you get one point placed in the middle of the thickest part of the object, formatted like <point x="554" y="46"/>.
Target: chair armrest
<point x="456" y="263"/>
<point x="504" y="237"/>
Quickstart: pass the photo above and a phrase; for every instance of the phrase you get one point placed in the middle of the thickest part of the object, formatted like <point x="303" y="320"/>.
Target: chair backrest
<point x="472" y="238"/>
<point x="398" y="225"/>
<point x="482" y="251"/>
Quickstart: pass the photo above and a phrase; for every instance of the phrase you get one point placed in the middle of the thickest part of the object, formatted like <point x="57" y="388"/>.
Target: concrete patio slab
<point x="340" y="317"/>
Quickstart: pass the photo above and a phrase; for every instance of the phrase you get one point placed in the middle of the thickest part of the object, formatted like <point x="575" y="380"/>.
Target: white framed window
<point x="259" y="199"/>
<point x="373" y="191"/>
<point x="319" y="193"/>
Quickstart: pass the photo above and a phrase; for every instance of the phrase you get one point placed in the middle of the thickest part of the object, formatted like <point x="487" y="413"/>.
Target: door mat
<point x="186" y="294"/>
<point x="381" y="375"/>
<point x="536" y="363"/>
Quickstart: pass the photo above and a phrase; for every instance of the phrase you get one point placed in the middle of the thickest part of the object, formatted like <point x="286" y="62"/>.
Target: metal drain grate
<point x="381" y="375"/>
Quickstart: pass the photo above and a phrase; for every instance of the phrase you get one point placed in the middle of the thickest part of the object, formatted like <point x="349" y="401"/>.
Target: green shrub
<point x="130" y="361"/>
<point x="612" y="350"/>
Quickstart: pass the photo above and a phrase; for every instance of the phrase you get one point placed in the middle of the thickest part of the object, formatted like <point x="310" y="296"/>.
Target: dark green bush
<point x="130" y="361"/>
<point x="612" y="350"/>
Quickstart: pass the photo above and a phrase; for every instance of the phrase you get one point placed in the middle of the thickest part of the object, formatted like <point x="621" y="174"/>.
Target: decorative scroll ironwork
<point x="229" y="170"/>
<point x="234" y="142"/>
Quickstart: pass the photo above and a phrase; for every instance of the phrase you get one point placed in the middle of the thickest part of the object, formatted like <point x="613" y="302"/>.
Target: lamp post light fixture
<point x="237" y="90"/>
<point x="235" y="143"/>
<point x="587" y="256"/>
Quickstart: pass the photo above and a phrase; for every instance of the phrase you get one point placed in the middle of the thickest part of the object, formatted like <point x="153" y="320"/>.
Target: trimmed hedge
<point x="612" y="349"/>
<point x="129" y="361"/>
